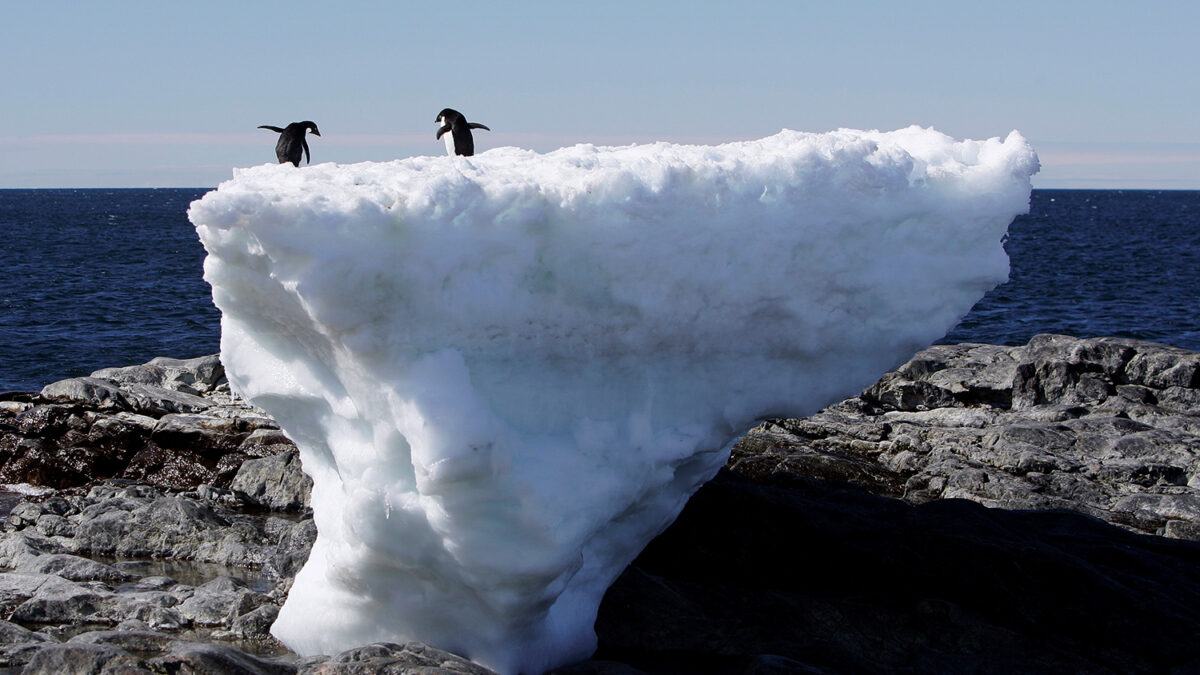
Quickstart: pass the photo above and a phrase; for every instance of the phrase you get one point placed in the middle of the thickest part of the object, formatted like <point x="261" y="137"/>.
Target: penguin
<point x="292" y="142"/>
<point x="459" y="141"/>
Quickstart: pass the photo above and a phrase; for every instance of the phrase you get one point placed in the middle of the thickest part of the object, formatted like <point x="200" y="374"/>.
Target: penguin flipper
<point x="442" y="131"/>
<point x="275" y="129"/>
<point x="476" y="125"/>
<point x="307" y="157"/>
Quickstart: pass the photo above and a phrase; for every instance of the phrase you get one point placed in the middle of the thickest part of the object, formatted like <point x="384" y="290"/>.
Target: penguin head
<point x="312" y="127"/>
<point x="448" y="116"/>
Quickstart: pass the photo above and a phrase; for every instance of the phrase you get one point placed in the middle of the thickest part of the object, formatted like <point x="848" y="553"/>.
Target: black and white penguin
<point x="459" y="141"/>
<point x="292" y="142"/>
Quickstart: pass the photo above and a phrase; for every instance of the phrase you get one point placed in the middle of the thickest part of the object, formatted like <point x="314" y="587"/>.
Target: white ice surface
<point x="507" y="373"/>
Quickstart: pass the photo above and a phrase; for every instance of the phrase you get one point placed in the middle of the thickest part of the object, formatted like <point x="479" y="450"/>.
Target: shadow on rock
<point x="792" y="575"/>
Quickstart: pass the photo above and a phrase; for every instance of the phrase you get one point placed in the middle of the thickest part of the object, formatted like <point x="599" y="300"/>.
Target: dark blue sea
<point x="97" y="278"/>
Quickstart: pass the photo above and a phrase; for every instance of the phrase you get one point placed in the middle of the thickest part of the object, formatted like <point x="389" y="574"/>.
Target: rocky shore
<point x="981" y="508"/>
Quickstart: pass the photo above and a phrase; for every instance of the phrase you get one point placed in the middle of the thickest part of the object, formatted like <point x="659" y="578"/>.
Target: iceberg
<point x="507" y="373"/>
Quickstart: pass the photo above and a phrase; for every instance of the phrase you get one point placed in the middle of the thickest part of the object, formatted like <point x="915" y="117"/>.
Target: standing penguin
<point x="292" y="142"/>
<point x="460" y="141"/>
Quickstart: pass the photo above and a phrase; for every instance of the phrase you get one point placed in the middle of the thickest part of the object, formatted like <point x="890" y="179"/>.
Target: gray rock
<point x="126" y="375"/>
<point x="61" y="602"/>
<point x="191" y="376"/>
<point x="191" y="657"/>
<point x="11" y="633"/>
<point x="135" y="641"/>
<point x="388" y="657"/>
<point x="72" y="568"/>
<point x="82" y="658"/>
<point x="255" y="624"/>
<point x="1104" y="426"/>
<point x="265" y="441"/>
<point x="139" y="398"/>
<point x="294" y="542"/>
<point x="276" y="483"/>
<point x="18" y="644"/>
<point x="219" y="602"/>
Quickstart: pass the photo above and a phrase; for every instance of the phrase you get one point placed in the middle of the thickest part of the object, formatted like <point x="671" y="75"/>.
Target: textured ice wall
<point x="507" y="373"/>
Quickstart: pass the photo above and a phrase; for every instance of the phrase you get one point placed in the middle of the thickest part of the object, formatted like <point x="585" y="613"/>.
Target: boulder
<point x="276" y="483"/>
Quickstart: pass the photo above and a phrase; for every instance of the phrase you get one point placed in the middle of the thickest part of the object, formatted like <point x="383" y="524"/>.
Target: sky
<point x="169" y="94"/>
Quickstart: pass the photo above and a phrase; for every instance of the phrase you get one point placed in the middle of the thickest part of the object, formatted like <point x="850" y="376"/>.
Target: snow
<point x="507" y="373"/>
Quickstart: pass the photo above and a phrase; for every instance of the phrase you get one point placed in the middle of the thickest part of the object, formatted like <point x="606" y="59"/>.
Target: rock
<point x="276" y="483"/>
<point x="82" y="658"/>
<point x="129" y="422"/>
<point x="264" y="442"/>
<point x="135" y="641"/>
<point x="18" y="644"/>
<point x="140" y="398"/>
<point x="387" y="657"/>
<point x="37" y="462"/>
<point x="202" y="373"/>
<point x="192" y="657"/>
<point x="834" y="579"/>
<point x="202" y="434"/>
<point x="138" y="521"/>
<point x="11" y="633"/>
<point x="1058" y="423"/>
<point x="59" y="601"/>
<point x="219" y="602"/>
<point x="191" y="376"/>
<point x="255" y="624"/>
<point x="99" y="393"/>
<point x="294" y="542"/>
<point x="73" y="568"/>
<point x="853" y="539"/>
<point x="170" y="469"/>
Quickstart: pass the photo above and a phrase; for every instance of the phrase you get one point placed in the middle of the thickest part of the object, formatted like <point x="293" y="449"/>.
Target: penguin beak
<point x="316" y="133"/>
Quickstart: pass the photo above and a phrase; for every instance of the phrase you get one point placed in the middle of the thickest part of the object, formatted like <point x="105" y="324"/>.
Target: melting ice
<point x="507" y="373"/>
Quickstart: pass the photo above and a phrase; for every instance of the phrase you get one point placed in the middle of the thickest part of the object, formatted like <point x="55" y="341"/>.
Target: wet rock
<point x="18" y="644"/>
<point x="169" y="469"/>
<point x="219" y="602"/>
<point x="72" y="568"/>
<point x="58" y="601"/>
<point x="192" y="657"/>
<point x="37" y="461"/>
<point x="135" y="641"/>
<point x="167" y="422"/>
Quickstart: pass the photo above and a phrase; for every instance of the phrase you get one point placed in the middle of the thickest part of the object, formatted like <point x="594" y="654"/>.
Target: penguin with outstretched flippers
<point x="459" y="140"/>
<point x="292" y="142"/>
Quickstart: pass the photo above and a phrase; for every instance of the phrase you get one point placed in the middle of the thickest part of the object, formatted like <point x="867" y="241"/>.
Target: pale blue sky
<point x="127" y="93"/>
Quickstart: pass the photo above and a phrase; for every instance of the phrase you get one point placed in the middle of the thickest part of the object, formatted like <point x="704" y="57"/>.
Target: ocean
<point x="96" y="278"/>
